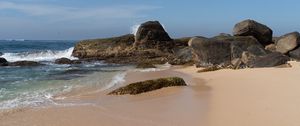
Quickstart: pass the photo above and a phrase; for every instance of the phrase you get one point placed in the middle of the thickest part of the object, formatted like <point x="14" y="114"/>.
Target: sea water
<point x="36" y="86"/>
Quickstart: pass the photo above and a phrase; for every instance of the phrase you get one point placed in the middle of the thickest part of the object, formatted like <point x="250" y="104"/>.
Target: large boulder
<point x="269" y="60"/>
<point x="242" y="43"/>
<point x="295" y="54"/>
<point x="210" y="52"/>
<point x="24" y="63"/>
<point x="152" y="35"/>
<point x="183" y="56"/>
<point x="103" y="48"/>
<point x="252" y="28"/>
<point x="3" y="62"/>
<point x="288" y="42"/>
<point x="149" y="85"/>
<point x="222" y="50"/>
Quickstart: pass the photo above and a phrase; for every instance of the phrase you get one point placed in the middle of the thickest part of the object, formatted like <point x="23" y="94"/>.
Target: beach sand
<point x="247" y="97"/>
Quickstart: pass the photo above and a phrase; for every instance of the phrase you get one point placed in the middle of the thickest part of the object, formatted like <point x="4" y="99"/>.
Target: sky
<point x="87" y="19"/>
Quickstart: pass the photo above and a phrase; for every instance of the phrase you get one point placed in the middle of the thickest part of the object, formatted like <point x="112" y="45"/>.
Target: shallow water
<point x="36" y="86"/>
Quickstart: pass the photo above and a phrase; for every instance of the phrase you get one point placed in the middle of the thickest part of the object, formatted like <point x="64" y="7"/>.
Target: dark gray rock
<point x="295" y="54"/>
<point x="210" y="52"/>
<point x="1" y="53"/>
<point x="252" y="28"/>
<point x="152" y="35"/>
<point x="183" y="56"/>
<point x="24" y="63"/>
<point x="288" y="42"/>
<point x="3" y="62"/>
<point x="63" y="61"/>
<point x="269" y="60"/>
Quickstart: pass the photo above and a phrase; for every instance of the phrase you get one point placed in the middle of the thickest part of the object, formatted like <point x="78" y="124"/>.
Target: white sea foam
<point x="134" y="29"/>
<point x="117" y="79"/>
<point x="48" y="55"/>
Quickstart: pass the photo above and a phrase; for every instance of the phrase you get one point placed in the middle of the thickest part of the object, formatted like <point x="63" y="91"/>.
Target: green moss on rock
<point x="149" y="85"/>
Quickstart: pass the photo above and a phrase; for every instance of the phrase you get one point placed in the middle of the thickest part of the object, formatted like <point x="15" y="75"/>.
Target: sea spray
<point x="117" y="79"/>
<point x="134" y="29"/>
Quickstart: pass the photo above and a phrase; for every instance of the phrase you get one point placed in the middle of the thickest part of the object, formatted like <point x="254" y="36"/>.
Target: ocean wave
<point x="48" y="55"/>
<point x="117" y="79"/>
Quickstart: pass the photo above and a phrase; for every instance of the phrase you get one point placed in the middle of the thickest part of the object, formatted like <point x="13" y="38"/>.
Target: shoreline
<point x="260" y="96"/>
<point x="103" y="104"/>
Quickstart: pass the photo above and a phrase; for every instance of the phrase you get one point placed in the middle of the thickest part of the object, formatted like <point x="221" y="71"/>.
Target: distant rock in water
<point x="145" y="65"/>
<point x="24" y="63"/>
<point x="66" y="61"/>
<point x="252" y="28"/>
<point x="1" y="53"/>
<point x="288" y="42"/>
<point x="152" y="35"/>
<point x="149" y="85"/>
<point x="63" y="61"/>
<point x="3" y="62"/>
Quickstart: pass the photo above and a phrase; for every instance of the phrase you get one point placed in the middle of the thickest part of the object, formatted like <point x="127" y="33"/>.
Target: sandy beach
<point x="247" y="97"/>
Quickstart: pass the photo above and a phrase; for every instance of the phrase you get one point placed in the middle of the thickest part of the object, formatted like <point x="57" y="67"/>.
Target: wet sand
<point x="248" y="97"/>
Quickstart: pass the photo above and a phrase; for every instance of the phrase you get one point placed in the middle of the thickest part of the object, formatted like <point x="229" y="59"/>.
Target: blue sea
<point x="36" y="86"/>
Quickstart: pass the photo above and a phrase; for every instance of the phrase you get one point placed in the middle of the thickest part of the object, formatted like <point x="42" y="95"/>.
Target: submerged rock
<point x="63" y="61"/>
<point x="252" y="28"/>
<point x="3" y="62"/>
<point x="288" y="42"/>
<point x="24" y="63"/>
<point x="145" y="65"/>
<point x="149" y="85"/>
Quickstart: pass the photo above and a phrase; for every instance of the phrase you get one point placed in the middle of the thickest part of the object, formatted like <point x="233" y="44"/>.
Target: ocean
<point x="36" y="86"/>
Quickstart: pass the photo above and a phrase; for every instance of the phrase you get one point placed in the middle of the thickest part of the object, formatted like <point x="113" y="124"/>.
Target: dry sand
<point x="248" y="97"/>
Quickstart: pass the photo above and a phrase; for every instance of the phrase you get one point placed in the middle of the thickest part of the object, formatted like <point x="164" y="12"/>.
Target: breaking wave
<point x="48" y="55"/>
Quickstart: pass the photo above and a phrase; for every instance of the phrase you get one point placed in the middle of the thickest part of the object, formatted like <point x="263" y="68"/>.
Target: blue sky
<point x="82" y="19"/>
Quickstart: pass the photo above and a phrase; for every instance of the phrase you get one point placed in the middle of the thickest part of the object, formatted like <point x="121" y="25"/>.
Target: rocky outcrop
<point x="3" y="62"/>
<point x="1" y="53"/>
<point x="288" y="42"/>
<point x="103" y="48"/>
<point x="252" y="28"/>
<point x="152" y="35"/>
<point x="182" y="56"/>
<point x="24" y="63"/>
<point x="149" y="85"/>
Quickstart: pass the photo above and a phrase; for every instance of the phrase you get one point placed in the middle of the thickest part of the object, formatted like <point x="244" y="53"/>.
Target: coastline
<point x="162" y="106"/>
<point x="260" y="96"/>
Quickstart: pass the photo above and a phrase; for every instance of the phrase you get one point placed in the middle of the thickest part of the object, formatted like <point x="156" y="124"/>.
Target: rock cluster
<point x="251" y="45"/>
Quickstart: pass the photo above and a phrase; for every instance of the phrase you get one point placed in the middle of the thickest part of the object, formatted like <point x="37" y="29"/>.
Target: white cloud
<point x="69" y="13"/>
